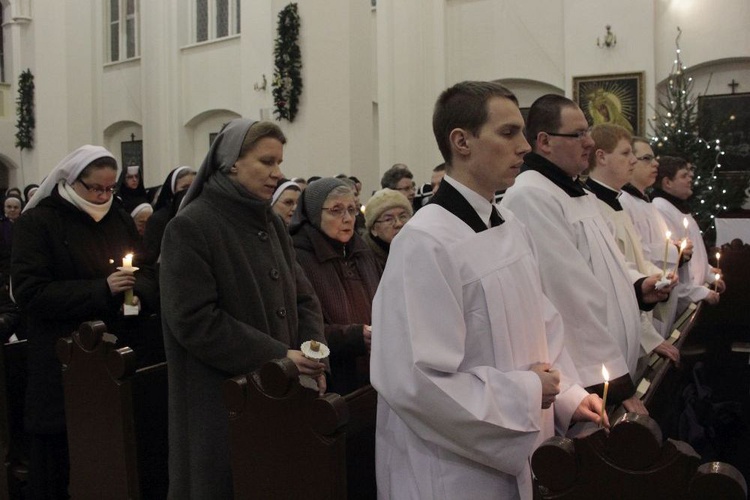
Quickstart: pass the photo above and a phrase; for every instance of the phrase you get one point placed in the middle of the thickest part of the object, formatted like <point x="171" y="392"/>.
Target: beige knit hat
<point x="383" y="200"/>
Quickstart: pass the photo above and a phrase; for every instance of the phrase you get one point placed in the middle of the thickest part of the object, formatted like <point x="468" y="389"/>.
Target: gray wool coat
<point x="233" y="298"/>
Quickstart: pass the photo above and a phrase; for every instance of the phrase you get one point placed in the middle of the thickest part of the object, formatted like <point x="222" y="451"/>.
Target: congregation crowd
<point x="483" y="326"/>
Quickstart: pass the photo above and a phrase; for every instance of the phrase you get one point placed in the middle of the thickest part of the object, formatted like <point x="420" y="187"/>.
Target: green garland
<point x="287" y="79"/>
<point x="25" y="111"/>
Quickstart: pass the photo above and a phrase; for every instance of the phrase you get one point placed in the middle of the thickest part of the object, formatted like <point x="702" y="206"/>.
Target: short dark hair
<point x="99" y="163"/>
<point x="545" y="115"/>
<point x="439" y="168"/>
<point x="393" y="175"/>
<point x="668" y="168"/>
<point x="464" y="105"/>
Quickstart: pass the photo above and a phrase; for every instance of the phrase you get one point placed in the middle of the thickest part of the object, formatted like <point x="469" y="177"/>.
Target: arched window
<point x="216" y="19"/>
<point x="124" y="27"/>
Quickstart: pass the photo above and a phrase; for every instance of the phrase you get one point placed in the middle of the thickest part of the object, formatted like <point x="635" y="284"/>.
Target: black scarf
<point x="572" y="187"/>
<point x="450" y="199"/>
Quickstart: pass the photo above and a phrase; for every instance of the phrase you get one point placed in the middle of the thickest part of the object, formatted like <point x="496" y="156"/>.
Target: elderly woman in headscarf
<point x="178" y="180"/>
<point x="344" y="274"/>
<point x="233" y="298"/>
<point x="63" y="272"/>
<point x="284" y="200"/>
<point x="130" y="188"/>
<point x="386" y="212"/>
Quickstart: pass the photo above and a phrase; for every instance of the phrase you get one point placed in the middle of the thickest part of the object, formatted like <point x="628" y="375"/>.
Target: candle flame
<point x="684" y="222"/>
<point x="129" y="256"/>
<point x="668" y="234"/>
<point x="683" y="244"/>
<point x="718" y="256"/>
<point x="605" y="374"/>
<point x="718" y="276"/>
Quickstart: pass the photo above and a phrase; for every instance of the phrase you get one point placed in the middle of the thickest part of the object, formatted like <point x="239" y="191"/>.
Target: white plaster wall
<point x="710" y="31"/>
<point x="491" y="39"/>
<point x="412" y="72"/>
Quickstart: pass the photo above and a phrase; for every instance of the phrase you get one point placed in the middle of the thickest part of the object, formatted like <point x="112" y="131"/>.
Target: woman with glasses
<point x="385" y="214"/>
<point x="233" y="298"/>
<point x="67" y="245"/>
<point x="344" y="274"/>
<point x="130" y="189"/>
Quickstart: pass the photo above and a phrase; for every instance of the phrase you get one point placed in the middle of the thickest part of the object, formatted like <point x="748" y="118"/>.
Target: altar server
<point x="467" y="352"/>
<point x="583" y="271"/>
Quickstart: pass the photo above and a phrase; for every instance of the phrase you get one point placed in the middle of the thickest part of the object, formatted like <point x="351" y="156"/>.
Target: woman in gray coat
<point x="233" y="298"/>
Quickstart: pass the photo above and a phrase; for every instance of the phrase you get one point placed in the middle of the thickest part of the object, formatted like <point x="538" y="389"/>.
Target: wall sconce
<point x="262" y="86"/>
<point x="610" y="40"/>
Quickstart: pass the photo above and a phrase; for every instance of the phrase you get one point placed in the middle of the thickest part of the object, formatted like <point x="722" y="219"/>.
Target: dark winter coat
<point x="232" y="299"/>
<point x="60" y="262"/>
<point x="345" y="278"/>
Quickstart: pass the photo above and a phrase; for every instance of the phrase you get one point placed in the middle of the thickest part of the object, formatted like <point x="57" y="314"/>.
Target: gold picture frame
<point x="617" y="99"/>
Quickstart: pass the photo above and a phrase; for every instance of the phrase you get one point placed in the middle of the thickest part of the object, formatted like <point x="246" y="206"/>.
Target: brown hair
<point x="668" y="168"/>
<point x="464" y="105"/>
<point x="606" y="136"/>
<point x="258" y="131"/>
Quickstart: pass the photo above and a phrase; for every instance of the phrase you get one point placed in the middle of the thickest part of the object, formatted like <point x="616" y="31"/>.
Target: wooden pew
<point x="287" y="442"/>
<point x="116" y="418"/>
<point x="632" y="462"/>
<point x="14" y="442"/>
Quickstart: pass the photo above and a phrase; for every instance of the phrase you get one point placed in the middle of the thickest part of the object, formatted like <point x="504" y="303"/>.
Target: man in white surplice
<point x="583" y="271"/>
<point x="612" y="164"/>
<point x="674" y="186"/>
<point x="467" y="352"/>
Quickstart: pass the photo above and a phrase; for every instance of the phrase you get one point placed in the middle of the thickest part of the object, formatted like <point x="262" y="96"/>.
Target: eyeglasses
<point x="339" y="211"/>
<point x="646" y="158"/>
<point x="390" y="220"/>
<point x="574" y="135"/>
<point x="407" y="189"/>
<point x="98" y="189"/>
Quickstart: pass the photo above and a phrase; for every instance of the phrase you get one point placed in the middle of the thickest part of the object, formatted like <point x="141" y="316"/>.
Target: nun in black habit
<point x="233" y="298"/>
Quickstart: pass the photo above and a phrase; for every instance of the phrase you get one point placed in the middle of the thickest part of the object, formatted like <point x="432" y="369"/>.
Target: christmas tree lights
<point x="676" y="133"/>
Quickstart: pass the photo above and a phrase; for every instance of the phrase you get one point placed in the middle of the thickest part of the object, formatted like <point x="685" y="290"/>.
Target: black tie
<point x="495" y="218"/>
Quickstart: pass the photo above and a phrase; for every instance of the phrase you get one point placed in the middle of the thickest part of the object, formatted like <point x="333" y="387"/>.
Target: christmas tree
<point x="676" y="133"/>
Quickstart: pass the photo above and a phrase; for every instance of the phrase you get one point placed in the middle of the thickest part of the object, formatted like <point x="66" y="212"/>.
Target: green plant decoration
<point x="287" y="77"/>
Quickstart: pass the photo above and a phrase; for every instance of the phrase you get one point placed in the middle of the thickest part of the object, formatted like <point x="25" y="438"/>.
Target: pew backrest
<point x="116" y="418"/>
<point x="288" y="442"/>
<point x="14" y="442"/>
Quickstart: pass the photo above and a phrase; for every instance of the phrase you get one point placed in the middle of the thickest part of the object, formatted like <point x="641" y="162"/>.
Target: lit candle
<point x="668" y="234"/>
<point x="127" y="265"/>
<point x="605" y="374"/>
<point x="685" y="225"/>
<point x="683" y="244"/>
<point x="718" y="258"/>
<point x="717" y="277"/>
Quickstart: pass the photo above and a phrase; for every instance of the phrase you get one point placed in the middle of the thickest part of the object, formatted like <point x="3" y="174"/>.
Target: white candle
<point x="605" y="374"/>
<point x="683" y="244"/>
<point x="127" y="264"/>
<point x="668" y="234"/>
<point x="718" y="257"/>
<point x="685" y="225"/>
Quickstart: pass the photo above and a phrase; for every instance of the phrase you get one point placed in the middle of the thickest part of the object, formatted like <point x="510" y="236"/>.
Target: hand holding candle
<point x="605" y="374"/>
<point x="127" y="266"/>
<point x="683" y="244"/>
